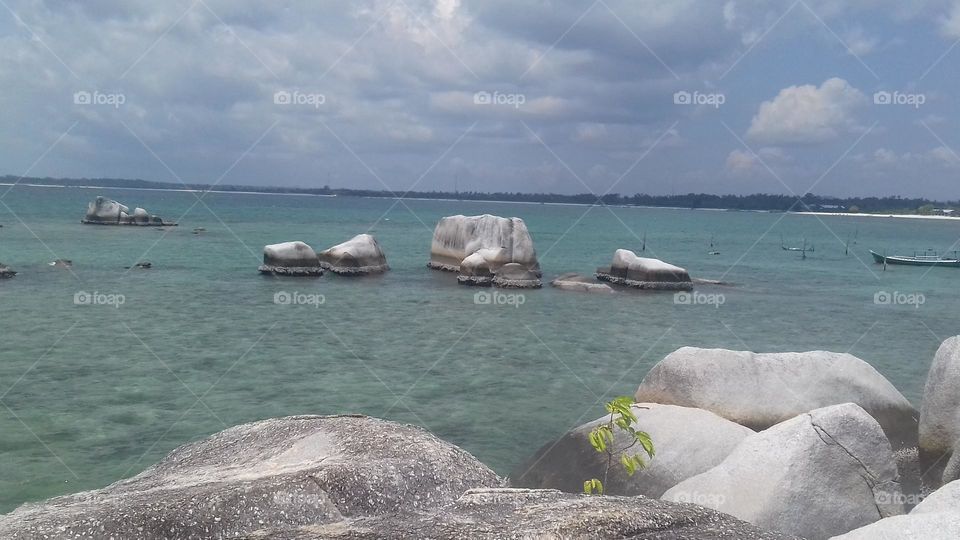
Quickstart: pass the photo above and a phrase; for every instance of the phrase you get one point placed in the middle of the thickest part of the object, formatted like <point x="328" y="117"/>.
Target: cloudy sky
<point x="835" y="97"/>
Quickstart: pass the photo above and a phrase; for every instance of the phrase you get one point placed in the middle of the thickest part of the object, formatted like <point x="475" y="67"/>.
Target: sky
<point x="832" y="97"/>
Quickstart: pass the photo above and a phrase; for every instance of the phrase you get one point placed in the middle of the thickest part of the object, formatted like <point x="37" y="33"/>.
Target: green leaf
<point x="593" y="486"/>
<point x="645" y="441"/>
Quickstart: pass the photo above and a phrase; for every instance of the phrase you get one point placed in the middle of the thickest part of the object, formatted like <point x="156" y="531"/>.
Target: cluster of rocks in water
<point x="104" y="211"/>
<point x="812" y="445"/>
<point x="361" y="255"/>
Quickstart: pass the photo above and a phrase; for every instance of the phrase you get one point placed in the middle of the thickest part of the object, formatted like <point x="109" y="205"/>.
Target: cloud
<point x="808" y="114"/>
<point x="950" y="23"/>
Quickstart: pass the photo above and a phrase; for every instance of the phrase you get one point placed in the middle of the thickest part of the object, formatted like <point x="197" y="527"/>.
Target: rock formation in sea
<point x="687" y="441"/>
<point x="644" y="273"/>
<point x="6" y="271"/>
<point x="282" y="473"/>
<point x="103" y="211"/>
<point x="817" y="475"/>
<point x="940" y="415"/>
<point x="576" y="282"/>
<point x="361" y="255"/>
<point x="516" y="276"/>
<point x="491" y="241"/>
<point x="290" y="259"/>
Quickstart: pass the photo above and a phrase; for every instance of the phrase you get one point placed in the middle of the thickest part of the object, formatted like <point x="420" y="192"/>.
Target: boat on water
<point x="928" y="258"/>
<point x="804" y="249"/>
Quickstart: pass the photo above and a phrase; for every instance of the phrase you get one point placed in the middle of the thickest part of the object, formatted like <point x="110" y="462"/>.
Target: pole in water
<point x="644" y="247"/>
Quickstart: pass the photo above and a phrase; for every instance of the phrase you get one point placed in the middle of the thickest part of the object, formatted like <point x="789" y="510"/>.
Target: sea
<point x="104" y="369"/>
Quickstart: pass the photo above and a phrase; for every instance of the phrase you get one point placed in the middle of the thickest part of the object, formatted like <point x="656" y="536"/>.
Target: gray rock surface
<point x="457" y="237"/>
<point x="516" y="276"/>
<point x="936" y="518"/>
<point x="817" y="475"/>
<point x="576" y="282"/>
<point x="687" y="442"/>
<point x="290" y="259"/>
<point x="6" y="271"/>
<point x="940" y="411"/>
<point x="952" y="470"/>
<point x="644" y="273"/>
<point x="760" y="390"/>
<point x="361" y="255"/>
<point x="475" y="269"/>
<point x="104" y="211"/>
<point x="283" y="472"/>
<point x="499" y="514"/>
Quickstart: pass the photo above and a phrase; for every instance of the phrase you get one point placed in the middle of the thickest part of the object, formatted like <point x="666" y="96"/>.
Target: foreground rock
<point x="576" y="282"/>
<point x="103" y="211"/>
<point x="6" y="271"/>
<point x="361" y="255"/>
<point x="516" y="276"/>
<point x="936" y="518"/>
<point x="688" y="442"/>
<point x="506" y="240"/>
<point x="643" y="273"/>
<point x="817" y="475"/>
<point x="520" y="513"/>
<point x="284" y="472"/>
<point x="476" y="268"/>
<point x="760" y="390"/>
<point x="940" y="412"/>
<point x="290" y="259"/>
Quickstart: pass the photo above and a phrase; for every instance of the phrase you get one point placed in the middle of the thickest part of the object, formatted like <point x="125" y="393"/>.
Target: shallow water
<point x="90" y="394"/>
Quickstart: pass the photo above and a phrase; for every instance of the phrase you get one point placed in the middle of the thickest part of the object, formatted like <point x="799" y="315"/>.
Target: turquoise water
<point x="93" y="393"/>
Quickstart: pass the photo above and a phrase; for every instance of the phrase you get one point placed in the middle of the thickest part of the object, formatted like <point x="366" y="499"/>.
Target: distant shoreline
<point x="879" y="215"/>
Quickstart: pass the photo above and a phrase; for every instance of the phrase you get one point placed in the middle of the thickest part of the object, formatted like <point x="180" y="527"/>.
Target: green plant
<point x="603" y="439"/>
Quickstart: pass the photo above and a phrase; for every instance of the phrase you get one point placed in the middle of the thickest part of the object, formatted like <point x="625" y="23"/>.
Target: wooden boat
<point x="930" y="258"/>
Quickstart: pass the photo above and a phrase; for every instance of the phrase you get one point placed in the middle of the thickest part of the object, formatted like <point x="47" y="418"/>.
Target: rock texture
<point x="760" y="390"/>
<point x="643" y="273"/>
<point x="516" y="276"/>
<point x="6" y="271"/>
<point x="290" y="259"/>
<point x="103" y="211"/>
<point x="283" y="473"/>
<point x="687" y="441"/>
<point x="940" y="411"/>
<point x="576" y="282"/>
<point x="476" y="268"/>
<point x="457" y="237"/>
<point x="817" y="475"/>
<point x="496" y="514"/>
<point x="936" y="518"/>
<point x="361" y="255"/>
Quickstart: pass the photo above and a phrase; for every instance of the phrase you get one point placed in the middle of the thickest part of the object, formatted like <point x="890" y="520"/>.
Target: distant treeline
<point x="759" y="201"/>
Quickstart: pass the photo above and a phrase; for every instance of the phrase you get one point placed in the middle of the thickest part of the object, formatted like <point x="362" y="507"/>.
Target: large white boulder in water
<point x="940" y="412"/>
<point x="103" y="211"/>
<point x="760" y="390"/>
<point x="457" y="237"/>
<point x="282" y="473"/>
<point x="359" y="255"/>
<point x="687" y="442"/>
<point x="516" y="276"/>
<point x="817" y="475"/>
<point x="644" y="273"/>
<point x="290" y="259"/>
<point x="575" y="282"/>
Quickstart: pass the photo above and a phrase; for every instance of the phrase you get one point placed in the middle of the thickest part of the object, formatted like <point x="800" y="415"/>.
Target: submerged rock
<point x="103" y="211"/>
<point x="290" y="259"/>
<point x="283" y="473"/>
<point x="940" y="413"/>
<point x="360" y="255"/>
<point x="760" y="390"/>
<point x="61" y="263"/>
<point x="687" y="442"/>
<point x="516" y="276"/>
<point x="576" y="282"/>
<point x="644" y="273"/>
<point x="142" y="265"/>
<point x="495" y="514"/>
<point x="6" y="271"/>
<point x="457" y="237"/>
<point x="817" y="475"/>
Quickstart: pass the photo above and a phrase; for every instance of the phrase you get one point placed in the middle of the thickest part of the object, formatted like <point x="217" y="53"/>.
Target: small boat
<point x="805" y="247"/>
<point x="929" y="258"/>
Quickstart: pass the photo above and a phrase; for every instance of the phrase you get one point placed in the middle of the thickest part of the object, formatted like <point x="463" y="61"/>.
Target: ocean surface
<point x="93" y="390"/>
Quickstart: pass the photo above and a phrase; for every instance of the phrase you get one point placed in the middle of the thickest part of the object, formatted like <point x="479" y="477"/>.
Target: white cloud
<point x="741" y="162"/>
<point x="950" y="24"/>
<point x="807" y="114"/>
